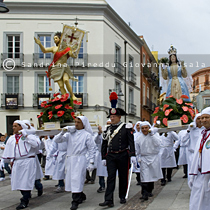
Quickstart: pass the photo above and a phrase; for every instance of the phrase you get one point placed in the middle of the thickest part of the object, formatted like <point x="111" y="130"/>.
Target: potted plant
<point x="174" y="109"/>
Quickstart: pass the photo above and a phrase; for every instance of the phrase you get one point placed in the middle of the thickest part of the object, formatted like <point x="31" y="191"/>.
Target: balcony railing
<point x="146" y="72"/>
<point x="19" y="95"/>
<point x="153" y="107"/>
<point x="120" y="103"/>
<point x="132" y="77"/>
<point x="147" y="104"/>
<point x="119" y="69"/>
<point x="81" y="60"/>
<point x="38" y="96"/>
<point x="131" y="108"/>
<point x="42" y="60"/>
<point x="14" y="59"/>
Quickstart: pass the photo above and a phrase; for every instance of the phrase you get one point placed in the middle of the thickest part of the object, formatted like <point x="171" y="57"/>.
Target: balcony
<point x="120" y="103"/>
<point x="42" y="60"/>
<point x="153" y="107"/>
<point x="147" y="104"/>
<point x="131" y="109"/>
<point x="38" y="98"/>
<point x="131" y="77"/>
<point x="81" y="60"/>
<point x="19" y="96"/>
<point x="147" y="72"/>
<point x="16" y="59"/>
<point x="119" y="69"/>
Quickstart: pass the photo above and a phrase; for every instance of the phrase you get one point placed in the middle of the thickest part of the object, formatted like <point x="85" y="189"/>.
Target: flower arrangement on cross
<point x="59" y="108"/>
<point x="173" y="109"/>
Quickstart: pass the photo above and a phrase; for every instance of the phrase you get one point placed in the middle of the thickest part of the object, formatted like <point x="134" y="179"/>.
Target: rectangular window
<point x="12" y="84"/>
<point x="43" y="84"/>
<point x="117" y="87"/>
<point x="207" y="101"/>
<point x="117" y="54"/>
<point x="130" y="96"/>
<point x="130" y="64"/>
<point x="46" y="42"/>
<point x="144" y="97"/>
<point x="144" y="59"/>
<point x="147" y="92"/>
<point x="81" y="50"/>
<point x="13" y="46"/>
<point x="78" y="87"/>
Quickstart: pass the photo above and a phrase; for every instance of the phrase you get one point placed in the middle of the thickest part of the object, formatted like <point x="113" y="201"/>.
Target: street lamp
<point x="3" y="8"/>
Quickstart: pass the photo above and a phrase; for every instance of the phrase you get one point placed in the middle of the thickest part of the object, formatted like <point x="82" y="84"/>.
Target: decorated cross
<point x="71" y="37"/>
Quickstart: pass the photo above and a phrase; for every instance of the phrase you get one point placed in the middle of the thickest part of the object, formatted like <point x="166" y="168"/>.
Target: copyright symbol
<point x="8" y="64"/>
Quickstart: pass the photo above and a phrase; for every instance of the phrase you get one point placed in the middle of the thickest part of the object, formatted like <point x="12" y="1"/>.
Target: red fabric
<point x="57" y="56"/>
<point x="203" y="140"/>
<point x="17" y="137"/>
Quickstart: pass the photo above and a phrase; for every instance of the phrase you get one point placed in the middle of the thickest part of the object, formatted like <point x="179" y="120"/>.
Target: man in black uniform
<point x="117" y="148"/>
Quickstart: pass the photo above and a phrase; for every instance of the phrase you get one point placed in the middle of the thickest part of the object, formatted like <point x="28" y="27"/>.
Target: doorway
<point x="10" y="120"/>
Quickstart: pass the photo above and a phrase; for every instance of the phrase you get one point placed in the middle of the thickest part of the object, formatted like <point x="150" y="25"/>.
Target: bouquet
<point x="173" y="109"/>
<point x="59" y="108"/>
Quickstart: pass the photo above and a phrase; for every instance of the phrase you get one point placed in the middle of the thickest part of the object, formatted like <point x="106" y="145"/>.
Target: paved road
<point x="173" y="196"/>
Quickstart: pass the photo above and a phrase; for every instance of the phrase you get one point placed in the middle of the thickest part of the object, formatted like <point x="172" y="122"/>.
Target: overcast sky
<point x="183" y="23"/>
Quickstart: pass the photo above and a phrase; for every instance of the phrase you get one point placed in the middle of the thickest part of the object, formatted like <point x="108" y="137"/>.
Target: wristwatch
<point x="92" y="163"/>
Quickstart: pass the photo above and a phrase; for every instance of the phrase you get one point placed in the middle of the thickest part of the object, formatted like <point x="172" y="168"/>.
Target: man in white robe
<point x="49" y="166"/>
<point x="183" y="142"/>
<point x="147" y="150"/>
<point x="137" y="133"/>
<point x="79" y="140"/>
<point x="21" y="148"/>
<point x="101" y="169"/>
<point x="200" y="169"/>
<point x="168" y="160"/>
<point x="39" y="174"/>
<point x="193" y="132"/>
<point x="59" y="169"/>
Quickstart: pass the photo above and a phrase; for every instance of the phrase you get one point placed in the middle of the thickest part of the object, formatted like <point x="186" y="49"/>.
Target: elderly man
<point x="79" y="140"/>
<point x="200" y="169"/>
<point x="22" y="149"/>
<point x="147" y="150"/>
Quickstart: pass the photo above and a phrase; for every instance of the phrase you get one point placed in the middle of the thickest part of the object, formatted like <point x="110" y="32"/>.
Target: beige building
<point x="100" y="66"/>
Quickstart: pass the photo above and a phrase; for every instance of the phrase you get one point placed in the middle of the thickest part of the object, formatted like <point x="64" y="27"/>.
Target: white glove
<point x="190" y="183"/>
<point x="2" y="165"/>
<point x="174" y="150"/>
<point x="70" y="129"/>
<point x="153" y="130"/>
<point x="90" y="167"/>
<point x="191" y="126"/>
<point x="139" y="160"/>
<point x="23" y="132"/>
<point x="103" y="162"/>
<point x="133" y="160"/>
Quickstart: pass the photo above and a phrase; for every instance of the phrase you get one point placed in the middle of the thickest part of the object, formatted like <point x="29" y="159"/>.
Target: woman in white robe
<point x="200" y="170"/>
